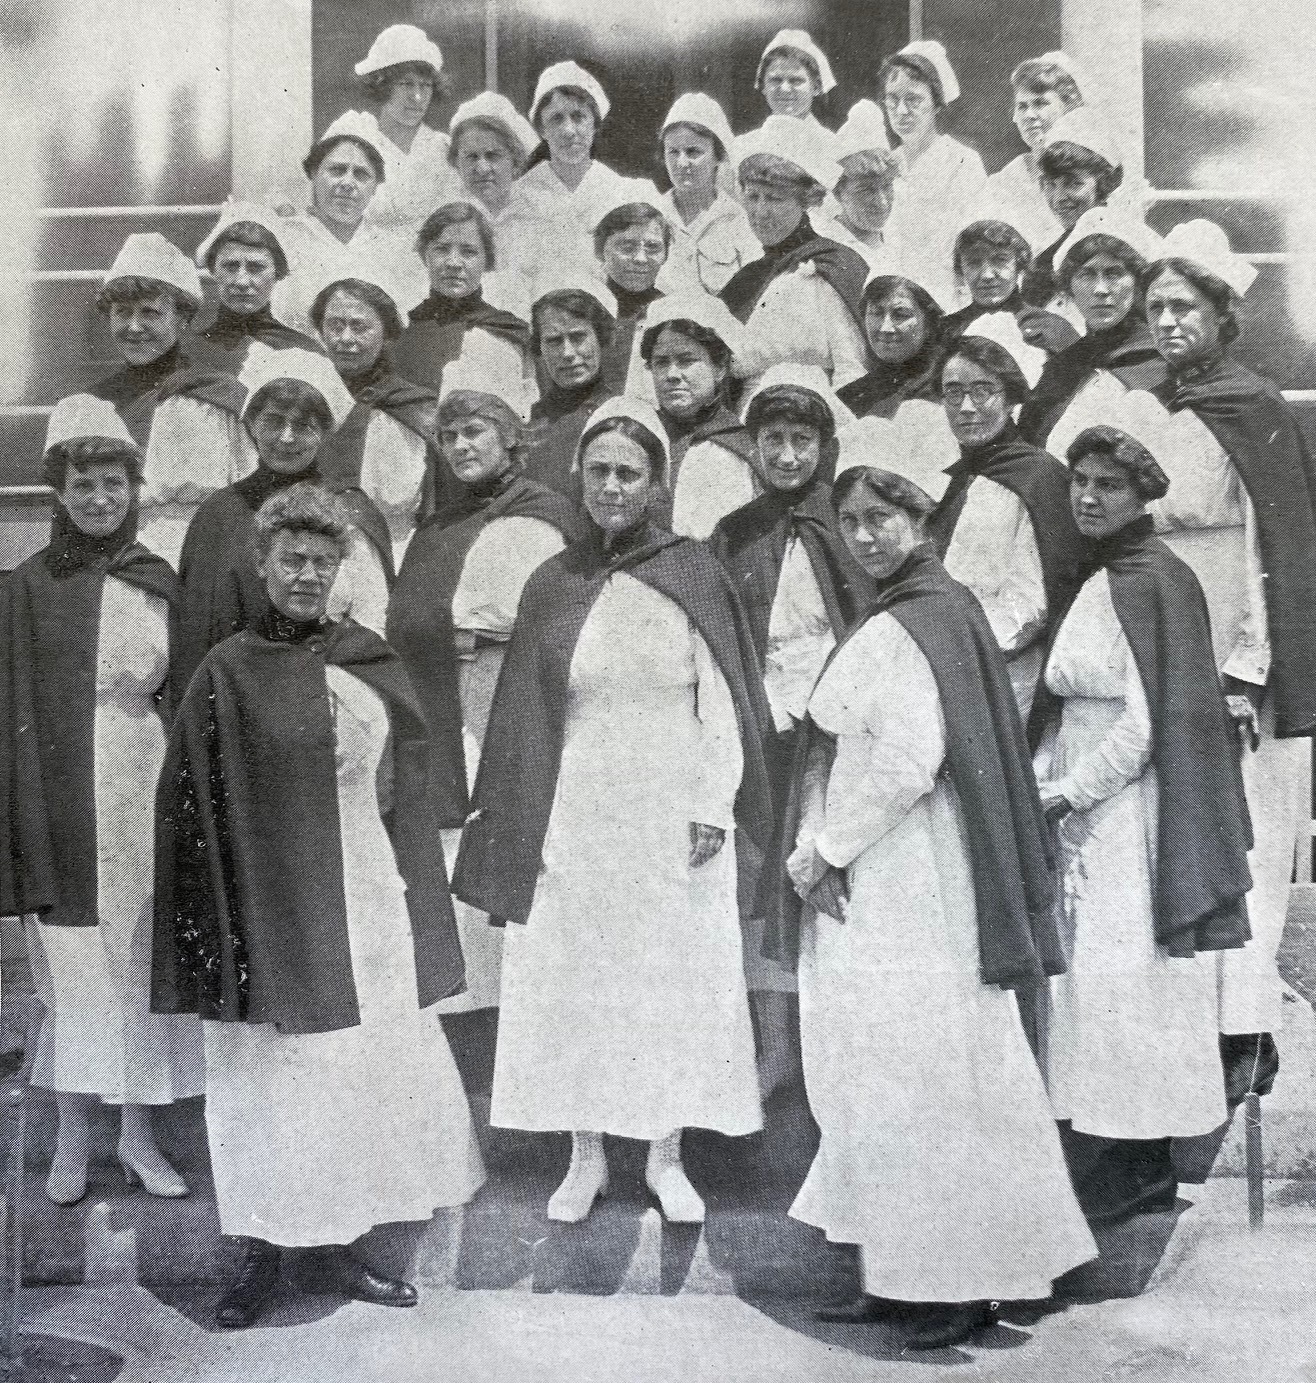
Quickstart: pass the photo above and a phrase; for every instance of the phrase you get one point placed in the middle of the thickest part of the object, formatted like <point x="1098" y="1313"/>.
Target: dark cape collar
<point x="989" y="764"/>
<point x="884" y="388"/>
<point x="630" y="304"/>
<point x="1203" y="830"/>
<point x="256" y="488"/>
<point x="500" y="860"/>
<point x="132" y="382"/>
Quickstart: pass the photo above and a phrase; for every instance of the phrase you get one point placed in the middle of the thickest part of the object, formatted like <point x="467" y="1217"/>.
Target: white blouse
<point x="501" y="560"/>
<point x="799" y="638"/>
<point x="801" y="317"/>
<point x="708" y="250"/>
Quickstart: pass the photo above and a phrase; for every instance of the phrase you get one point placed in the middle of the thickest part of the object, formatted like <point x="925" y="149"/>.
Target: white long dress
<point x="1096" y="401"/>
<point x="800" y="317"/>
<point x="1131" y="1043"/>
<point x="393" y="469"/>
<point x="572" y="213"/>
<point x="993" y="551"/>
<point x="500" y="561"/>
<point x="708" y="250"/>
<point x="316" y="1137"/>
<point x="939" y="1154"/>
<point x="1208" y="520"/>
<point x="416" y="182"/>
<point x="98" y="1034"/>
<point x="624" y="1008"/>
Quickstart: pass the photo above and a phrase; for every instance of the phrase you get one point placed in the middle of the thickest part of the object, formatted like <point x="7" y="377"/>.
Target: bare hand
<point x="831" y="894"/>
<point x="805" y="867"/>
<point x="1055" y="805"/>
<point x="705" y="842"/>
<point x="1244" y="715"/>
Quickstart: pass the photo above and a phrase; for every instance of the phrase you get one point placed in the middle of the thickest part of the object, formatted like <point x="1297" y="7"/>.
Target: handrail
<point x="1216" y="194"/>
<point x="114" y="213"/>
<point x="71" y="275"/>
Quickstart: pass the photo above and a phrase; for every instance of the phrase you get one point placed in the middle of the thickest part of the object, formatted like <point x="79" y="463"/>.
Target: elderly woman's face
<point x="567" y="125"/>
<point x="788" y="453"/>
<point x="569" y="348"/>
<point x="974" y="400"/>
<point x="879" y="534"/>
<point x="408" y="99"/>
<point x="245" y="276"/>
<point x="1034" y="114"/>
<point x="1070" y="194"/>
<point x="991" y="274"/>
<point x="287" y="437"/>
<point x="1185" y="327"/>
<point x="691" y="159"/>
<point x="143" y="330"/>
<point x="910" y="107"/>
<point x="896" y="326"/>
<point x="473" y="448"/>
<point x="866" y="197"/>
<point x="485" y="166"/>
<point x="343" y="185"/>
<point x="352" y="332"/>
<point x="633" y="257"/>
<point x="97" y="495"/>
<point x="685" y="379"/>
<point x="616" y="481"/>
<point x="299" y="571"/>
<point x="774" y="209"/>
<point x="789" y="87"/>
<point x="1102" y="496"/>
<point x="1104" y="290"/>
<point x="455" y="261"/>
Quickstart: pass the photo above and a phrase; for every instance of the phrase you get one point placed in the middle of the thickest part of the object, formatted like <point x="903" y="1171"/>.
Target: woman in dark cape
<point x="84" y="661"/>
<point x="915" y="893"/>
<point x="302" y="911"/>
<point x="624" y="744"/>
<point x="903" y="323"/>
<point x="1139" y="765"/>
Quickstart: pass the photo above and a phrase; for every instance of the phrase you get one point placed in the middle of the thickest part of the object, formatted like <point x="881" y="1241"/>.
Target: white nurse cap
<point x="84" y="415"/>
<point x="562" y="74"/>
<point x="148" y="255"/>
<point x="1205" y="244"/>
<point x="1001" y="328"/>
<point x="264" y="366"/>
<point x="934" y="54"/>
<point x="798" y="38"/>
<point x="397" y="44"/>
<point x="704" y="113"/>
<point x="498" y="110"/>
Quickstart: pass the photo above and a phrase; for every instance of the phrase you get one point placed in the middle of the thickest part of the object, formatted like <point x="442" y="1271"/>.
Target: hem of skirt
<point x="649" y="1133"/>
<point x="1096" y="1129"/>
<point x="117" y="1098"/>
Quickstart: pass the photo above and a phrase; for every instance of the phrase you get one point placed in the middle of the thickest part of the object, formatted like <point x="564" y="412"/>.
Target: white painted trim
<point x="107" y="213"/>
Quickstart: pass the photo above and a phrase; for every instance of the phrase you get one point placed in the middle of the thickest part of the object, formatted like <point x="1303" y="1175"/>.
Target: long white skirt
<point x="939" y="1155"/>
<point x="1131" y="1040"/>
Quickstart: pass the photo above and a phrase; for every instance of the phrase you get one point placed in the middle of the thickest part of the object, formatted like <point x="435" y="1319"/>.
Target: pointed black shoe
<point x="946" y="1326"/>
<point x="340" y="1272"/>
<point x="252" y="1288"/>
<point x="863" y="1310"/>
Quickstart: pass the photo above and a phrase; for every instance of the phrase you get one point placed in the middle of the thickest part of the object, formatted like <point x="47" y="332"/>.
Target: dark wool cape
<point x="990" y="766"/>
<point x="420" y="616"/>
<point x="438" y="327"/>
<point x="1204" y="832"/>
<point x="631" y="308"/>
<point x="880" y="392"/>
<point x="50" y="615"/>
<point x="222" y="347"/>
<point x="502" y="844"/>
<point x="1041" y="483"/>
<point x="134" y="390"/>
<point x="1247" y="415"/>
<point x="250" y="912"/>
<point x="1125" y="350"/>
<point x="845" y="269"/>
<point x="557" y="421"/>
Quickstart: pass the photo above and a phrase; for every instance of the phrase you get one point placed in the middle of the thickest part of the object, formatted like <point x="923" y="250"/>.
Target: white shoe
<point x="585" y="1181"/>
<point x="666" y="1178"/>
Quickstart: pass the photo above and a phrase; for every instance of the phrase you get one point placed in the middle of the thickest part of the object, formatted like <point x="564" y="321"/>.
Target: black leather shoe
<point x="863" y="1310"/>
<point x="1251" y="1062"/>
<point x="945" y="1326"/>
<point x="353" y="1279"/>
<point x="252" y="1288"/>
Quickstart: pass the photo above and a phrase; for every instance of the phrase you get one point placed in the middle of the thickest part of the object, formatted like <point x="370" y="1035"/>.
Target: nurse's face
<point x="773" y="209"/>
<point x="245" y="276"/>
<point x="789" y="453"/>
<point x="352" y="332"/>
<point x="1102" y="497"/>
<point x="568" y="126"/>
<point x="1070" y="194"/>
<point x="789" y="87"/>
<point x="569" y="348"/>
<point x="97" y="495"/>
<point x="633" y="257"/>
<point x="879" y="534"/>
<point x="1104" y="290"/>
<point x="1034" y="114"/>
<point x="974" y="400"/>
<point x="691" y="159"/>
<point x="455" y="261"/>
<point x="143" y="330"/>
<point x="910" y="107"/>
<point x="299" y="573"/>
<point x="287" y="437"/>
<point x="343" y="185"/>
<point x="473" y="448"/>
<point x="990" y="274"/>
<point x="866" y="198"/>
<point x="409" y="97"/>
<point x="1184" y="324"/>
<point x="896" y="326"/>
<point x="485" y="166"/>
<point x="616" y="482"/>
<point x="685" y="379"/>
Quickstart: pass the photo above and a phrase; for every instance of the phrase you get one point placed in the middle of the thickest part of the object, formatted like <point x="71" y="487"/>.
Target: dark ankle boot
<point x="343" y="1273"/>
<point x="951" y="1324"/>
<point x="863" y="1310"/>
<point x="252" y="1288"/>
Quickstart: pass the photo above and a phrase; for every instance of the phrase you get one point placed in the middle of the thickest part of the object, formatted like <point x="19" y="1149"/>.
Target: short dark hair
<point x="794" y="55"/>
<point x="622" y="218"/>
<point x="135" y="289"/>
<point x="456" y="214"/>
<point x="579" y="304"/>
<point x="991" y="235"/>
<point x="1065" y="157"/>
<point x="719" y="151"/>
<point x="579" y="93"/>
<point x="495" y="128"/>
<point x="918" y="67"/>
<point x="1039" y="77"/>
<point x="636" y="432"/>
<point x="378" y="86"/>
<point x="1110" y="444"/>
<point x="989" y="356"/>
<point x="305" y="401"/>
<point x="880" y="288"/>
<point x="306" y="507"/>
<point x="369" y="293"/>
<point x="718" y="350"/>
<point x="1216" y="291"/>
<point x="255" y="237"/>
<point x="792" y="404"/>
<point x="322" y="148"/>
<point x="473" y="403"/>
<point x="80" y="452"/>
<point x="1093" y="245"/>
<point x="886" y="485"/>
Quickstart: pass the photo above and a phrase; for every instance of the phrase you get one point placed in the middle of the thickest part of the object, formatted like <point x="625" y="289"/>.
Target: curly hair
<point x="992" y="235"/>
<point x="80" y="452"/>
<point x="1110" y="444"/>
<point x="1038" y="77"/>
<point x="1223" y="299"/>
<point x="995" y="359"/>
<point x="473" y="403"/>
<point x="1065" y="157"/>
<point x="306" y="507"/>
<point x="133" y="289"/>
<point x="378" y="86"/>
<point x="790" y="403"/>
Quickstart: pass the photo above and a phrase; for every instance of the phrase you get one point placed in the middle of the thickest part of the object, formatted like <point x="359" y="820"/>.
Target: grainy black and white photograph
<point x="657" y="678"/>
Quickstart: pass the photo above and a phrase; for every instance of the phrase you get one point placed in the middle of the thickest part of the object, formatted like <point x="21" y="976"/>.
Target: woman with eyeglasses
<point x="942" y="177"/>
<point x="1004" y="526"/>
